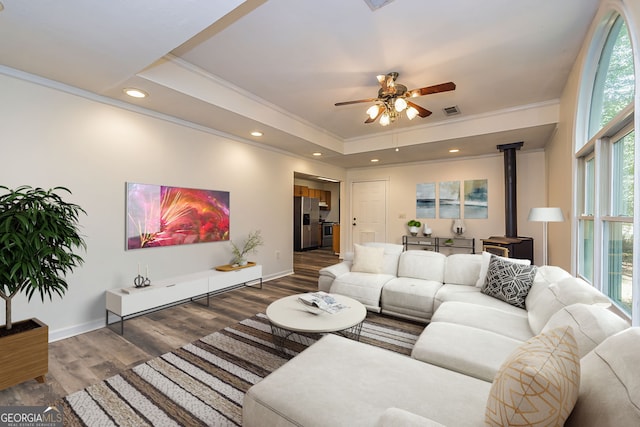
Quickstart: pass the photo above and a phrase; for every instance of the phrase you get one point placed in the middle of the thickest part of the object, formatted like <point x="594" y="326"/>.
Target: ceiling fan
<point x="393" y="99"/>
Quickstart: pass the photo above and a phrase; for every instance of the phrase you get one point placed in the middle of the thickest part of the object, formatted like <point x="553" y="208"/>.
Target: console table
<point x="129" y="302"/>
<point x="455" y="244"/>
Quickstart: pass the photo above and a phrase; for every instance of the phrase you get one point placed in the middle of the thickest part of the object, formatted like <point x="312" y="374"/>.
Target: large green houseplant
<point x="38" y="236"/>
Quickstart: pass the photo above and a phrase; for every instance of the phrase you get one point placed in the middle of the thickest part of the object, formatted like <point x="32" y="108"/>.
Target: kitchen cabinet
<point x="336" y="238"/>
<point x="323" y="196"/>
<point x="301" y="190"/>
<point x="325" y="200"/>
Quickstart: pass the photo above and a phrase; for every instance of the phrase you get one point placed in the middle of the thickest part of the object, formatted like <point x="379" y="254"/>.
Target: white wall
<point x="52" y="138"/>
<point x="402" y="182"/>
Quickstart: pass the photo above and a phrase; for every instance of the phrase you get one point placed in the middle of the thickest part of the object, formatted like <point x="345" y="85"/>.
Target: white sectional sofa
<point x="459" y="365"/>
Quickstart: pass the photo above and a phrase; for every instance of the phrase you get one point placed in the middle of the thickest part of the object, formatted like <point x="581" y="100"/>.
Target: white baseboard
<point x="71" y="331"/>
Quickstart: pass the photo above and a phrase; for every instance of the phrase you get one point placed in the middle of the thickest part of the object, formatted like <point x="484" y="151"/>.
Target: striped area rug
<point x="202" y="383"/>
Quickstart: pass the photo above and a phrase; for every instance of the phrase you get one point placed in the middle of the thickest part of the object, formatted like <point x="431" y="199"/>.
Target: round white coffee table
<point x="288" y="317"/>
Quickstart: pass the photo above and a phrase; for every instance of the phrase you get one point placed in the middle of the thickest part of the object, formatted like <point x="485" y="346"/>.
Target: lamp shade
<point x="373" y="111"/>
<point x="411" y="113"/>
<point x="385" y="119"/>
<point x="400" y="105"/>
<point x="546" y="215"/>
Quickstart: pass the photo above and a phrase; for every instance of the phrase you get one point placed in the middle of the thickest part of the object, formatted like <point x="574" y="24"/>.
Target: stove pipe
<point x="510" y="188"/>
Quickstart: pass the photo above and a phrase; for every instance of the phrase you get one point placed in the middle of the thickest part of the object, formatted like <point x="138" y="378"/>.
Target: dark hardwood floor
<point x="77" y="362"/>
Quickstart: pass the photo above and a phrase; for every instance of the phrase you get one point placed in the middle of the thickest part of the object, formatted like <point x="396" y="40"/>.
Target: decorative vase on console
<point x="458" y="227"/>
<point x="251" y="244"/>
<point x="427" y="230"/>
<point x="414" y="227"/>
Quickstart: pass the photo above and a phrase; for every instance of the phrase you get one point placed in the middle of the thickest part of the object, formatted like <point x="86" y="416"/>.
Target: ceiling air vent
<point x="377" y="4"/>
<point x="451" y="111"/>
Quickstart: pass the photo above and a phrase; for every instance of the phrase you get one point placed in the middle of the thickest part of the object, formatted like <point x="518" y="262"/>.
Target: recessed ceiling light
<point x="454" y="150"/>
<point x="135" y="93"/>
<point x="317" y="154"/>
<point x="375" y="160"/>
<point x="256" y="133"/>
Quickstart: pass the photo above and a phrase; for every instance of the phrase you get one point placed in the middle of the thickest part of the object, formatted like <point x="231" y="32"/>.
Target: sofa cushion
<point x="391" y="256"/>
<point x="513" y="324"/>
<point x="610" y="383"/>
<point x="484" y="267"/>
<point x="367" y="259"/>
<point x="462" y="269"/>
<point x="364" y="287"/>
<point x="409" y="297"/>
<point x="426" y="265"/>
<point x="396" y="417"/>
<point x="555" y="296"/>
<point x="508" y="281"/>
<point x="545" y="275"/>
<point x="470" y="351"/>
<point x="538" y="383"/>
<point x="473" y="295"/>
<point x="341" y="382"/>
<point x="591" y="324"/>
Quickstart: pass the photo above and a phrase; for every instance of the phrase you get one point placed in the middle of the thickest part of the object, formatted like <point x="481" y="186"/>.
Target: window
<point x="606" y="172"/>
<point x="613" y="85"/>
<point x="586" y="220"/>
<point x="618" y="226"/>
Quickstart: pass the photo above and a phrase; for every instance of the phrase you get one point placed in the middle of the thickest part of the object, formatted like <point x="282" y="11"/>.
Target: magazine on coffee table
<point x="321" y="300"/>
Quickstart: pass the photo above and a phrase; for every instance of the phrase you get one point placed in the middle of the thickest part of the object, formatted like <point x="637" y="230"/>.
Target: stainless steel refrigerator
<point x="306" y="223"/>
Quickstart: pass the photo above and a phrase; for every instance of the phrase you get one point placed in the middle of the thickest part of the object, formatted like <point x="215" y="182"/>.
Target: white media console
<point x="130" y="302"/>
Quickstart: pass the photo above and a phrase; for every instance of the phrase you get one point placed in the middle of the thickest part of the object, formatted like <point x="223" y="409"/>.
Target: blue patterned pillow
<point x="509" y="281"/>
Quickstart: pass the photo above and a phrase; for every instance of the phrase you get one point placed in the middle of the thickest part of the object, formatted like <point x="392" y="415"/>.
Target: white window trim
<point x="584" y="146"/>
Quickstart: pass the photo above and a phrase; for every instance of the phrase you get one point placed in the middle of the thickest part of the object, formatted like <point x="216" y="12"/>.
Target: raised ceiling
<point x="279" y="66"/>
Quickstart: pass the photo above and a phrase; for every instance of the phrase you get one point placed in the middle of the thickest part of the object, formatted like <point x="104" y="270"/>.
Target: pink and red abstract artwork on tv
<point x="159" y="215"/>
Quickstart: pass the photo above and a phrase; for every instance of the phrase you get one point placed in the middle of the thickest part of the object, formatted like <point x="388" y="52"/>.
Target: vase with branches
<point x="250" y="245"/>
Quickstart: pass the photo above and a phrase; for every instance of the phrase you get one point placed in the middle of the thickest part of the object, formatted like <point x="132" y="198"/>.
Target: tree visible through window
<point x="614" y="84"/>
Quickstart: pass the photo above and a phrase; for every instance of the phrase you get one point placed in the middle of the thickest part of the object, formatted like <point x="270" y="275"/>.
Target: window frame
<point x="597" y="144"/>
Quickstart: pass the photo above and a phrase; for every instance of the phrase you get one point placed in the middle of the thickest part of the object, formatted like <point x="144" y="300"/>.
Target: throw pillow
<point x="509" y="281"/>
<point x="368" y="259"/>
<point x="484" y="267"/>
<point x="538" y="384"/>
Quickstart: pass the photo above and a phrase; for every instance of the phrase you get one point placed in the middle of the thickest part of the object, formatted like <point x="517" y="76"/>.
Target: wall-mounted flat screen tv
<point x="159" y="215"/>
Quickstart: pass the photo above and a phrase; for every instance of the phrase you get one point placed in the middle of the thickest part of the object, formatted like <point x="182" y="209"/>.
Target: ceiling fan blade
<point x="443" y="87"/>
<point x="338" y="104"/>
<point x="422" y="112"/>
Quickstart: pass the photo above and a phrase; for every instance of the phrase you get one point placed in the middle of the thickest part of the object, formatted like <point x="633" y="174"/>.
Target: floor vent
<point x="451" y="111"/>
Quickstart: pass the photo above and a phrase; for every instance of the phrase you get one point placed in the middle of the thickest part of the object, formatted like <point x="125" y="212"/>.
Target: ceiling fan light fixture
<point x="400" y="104"/>
<point x="373" y="111"/>
<point x="411" y="113"/>
<point x="385" y="119"/>
<point x="392" y="99"/>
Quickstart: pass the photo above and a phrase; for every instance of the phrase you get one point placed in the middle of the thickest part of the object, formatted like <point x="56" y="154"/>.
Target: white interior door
<point x="368" y="211"/>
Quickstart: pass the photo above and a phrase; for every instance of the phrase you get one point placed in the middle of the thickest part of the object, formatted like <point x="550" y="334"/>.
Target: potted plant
<point x="414" y="226"/>
<point x="254" y="239"/>
<point x="38" y="236"/>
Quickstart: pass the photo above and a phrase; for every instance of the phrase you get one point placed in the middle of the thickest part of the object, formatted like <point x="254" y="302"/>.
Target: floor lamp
<point x="545" y="215"/>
